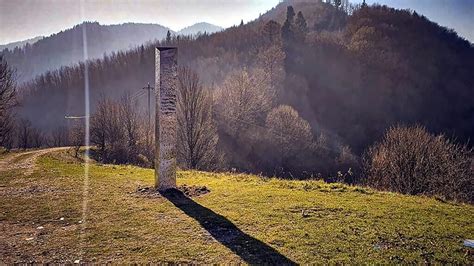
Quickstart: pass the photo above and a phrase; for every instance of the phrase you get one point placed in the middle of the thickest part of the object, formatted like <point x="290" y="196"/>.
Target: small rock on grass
<point x="469" y="243"/>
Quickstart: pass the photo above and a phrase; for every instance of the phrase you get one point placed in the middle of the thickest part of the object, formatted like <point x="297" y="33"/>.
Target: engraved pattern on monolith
<point x="166" y="82"/>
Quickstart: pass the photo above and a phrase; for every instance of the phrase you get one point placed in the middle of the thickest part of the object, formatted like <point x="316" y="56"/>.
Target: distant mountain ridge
<point x="200" y="27"/>
<point x="20" y="44"/>
<point x="66" y="47"/>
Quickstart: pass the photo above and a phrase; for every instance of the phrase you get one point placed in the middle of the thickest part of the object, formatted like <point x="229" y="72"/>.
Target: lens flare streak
<point x="85" y="189"/>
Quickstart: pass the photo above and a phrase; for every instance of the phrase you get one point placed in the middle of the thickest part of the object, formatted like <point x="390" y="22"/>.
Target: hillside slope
<point x="243" y="218"/>
<point x="66" y="47"/>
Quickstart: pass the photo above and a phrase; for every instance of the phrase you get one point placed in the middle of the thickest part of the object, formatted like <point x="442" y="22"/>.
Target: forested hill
<point x="66" y="47"/>
<point x="351" y="72"/>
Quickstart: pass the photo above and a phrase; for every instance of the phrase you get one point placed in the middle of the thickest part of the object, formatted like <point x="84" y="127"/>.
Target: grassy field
<point x="243" y="218"/>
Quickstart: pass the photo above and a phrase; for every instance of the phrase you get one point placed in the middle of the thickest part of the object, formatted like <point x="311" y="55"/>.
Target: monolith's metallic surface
<point x="166" y="82"/>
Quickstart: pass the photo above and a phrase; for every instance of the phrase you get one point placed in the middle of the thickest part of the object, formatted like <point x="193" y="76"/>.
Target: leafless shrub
<point x="146" y="157"/>
<point x="410" y="160"/>
<point x="76" y="136"/>
<point x="348" y="162"/>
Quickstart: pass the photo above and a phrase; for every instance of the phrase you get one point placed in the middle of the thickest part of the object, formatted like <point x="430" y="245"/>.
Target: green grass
<point x="304" y="221"/>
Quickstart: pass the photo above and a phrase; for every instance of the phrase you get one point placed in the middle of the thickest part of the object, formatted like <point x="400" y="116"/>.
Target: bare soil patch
<point x="189" y="191"/>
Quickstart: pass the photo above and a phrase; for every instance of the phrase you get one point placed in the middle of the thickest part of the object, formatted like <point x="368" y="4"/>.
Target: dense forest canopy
<point x="350" y="72"/>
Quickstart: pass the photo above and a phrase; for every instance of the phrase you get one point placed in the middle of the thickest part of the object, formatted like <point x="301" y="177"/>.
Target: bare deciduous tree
<point x="77" y="137"/>
<point x="271" y="61"/>
<point x="114" y="131"/>
<point x="7" y="102"/>
<point x="287" y="130"/>
<point x="59" y="137"/>
<point x="243" y="100"/>
<point x="38" y="138"/>
<point x="117" y="131"/>
<point x="129" y="118"/>
<point x="106" y="129"/>
<point x="288" y="143"/>
<point x="24" y="134"/>
<point x="197" y="135"/>
<point x="98" y="128"/>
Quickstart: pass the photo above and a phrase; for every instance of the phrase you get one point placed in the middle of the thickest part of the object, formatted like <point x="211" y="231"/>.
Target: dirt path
<point x="25" y="161"/>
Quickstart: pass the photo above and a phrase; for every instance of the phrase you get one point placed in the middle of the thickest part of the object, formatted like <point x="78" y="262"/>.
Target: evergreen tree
<point x="290" y="14"/>
<point x="168" y="37"/>
<point x="287" y="32"/>
<point x="301" y="26"/>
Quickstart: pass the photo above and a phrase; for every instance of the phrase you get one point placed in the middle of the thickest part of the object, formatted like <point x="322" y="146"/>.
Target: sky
<point x="24" y="19"/>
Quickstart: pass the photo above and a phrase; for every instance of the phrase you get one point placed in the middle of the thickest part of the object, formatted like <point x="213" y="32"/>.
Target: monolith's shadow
<point x="251" y="250"/>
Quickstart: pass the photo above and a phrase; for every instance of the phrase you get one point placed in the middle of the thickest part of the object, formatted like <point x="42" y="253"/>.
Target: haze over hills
<point x="66" y="47"/>
<point x="20" y="44"/>
<point x="200" y="27"/>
